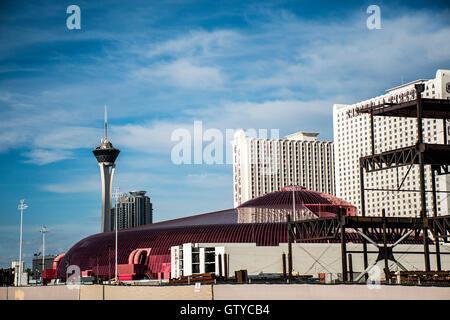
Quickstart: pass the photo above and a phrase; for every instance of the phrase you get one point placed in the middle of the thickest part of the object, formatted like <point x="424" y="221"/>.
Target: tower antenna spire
<point x="106" y="124"/>
<point x="106" y="156"/>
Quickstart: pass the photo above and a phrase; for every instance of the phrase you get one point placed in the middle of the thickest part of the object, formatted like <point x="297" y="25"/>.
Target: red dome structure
<point x="276" y="206"/>
<point x="261" y="221"/>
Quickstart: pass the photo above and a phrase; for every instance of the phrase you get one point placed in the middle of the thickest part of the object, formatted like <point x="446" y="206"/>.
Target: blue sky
<point x="161" y="65"/>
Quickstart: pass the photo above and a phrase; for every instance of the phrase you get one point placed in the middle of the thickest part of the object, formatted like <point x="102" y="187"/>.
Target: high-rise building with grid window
<point x="265" y="165"/>
<point x="133" y="209"/>
<point x="352" y="140"/>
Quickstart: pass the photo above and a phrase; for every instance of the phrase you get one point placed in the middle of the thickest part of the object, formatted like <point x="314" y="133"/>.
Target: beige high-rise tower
<point x="265" y="165"/>
<point x="352" y="140"/>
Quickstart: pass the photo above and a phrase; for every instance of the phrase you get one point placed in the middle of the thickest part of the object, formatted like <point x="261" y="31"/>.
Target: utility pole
<point x="44" y="230"/>
<point x="22" y="206"/>
<point x="109" y="264"/>
<point x="116" y="196"/>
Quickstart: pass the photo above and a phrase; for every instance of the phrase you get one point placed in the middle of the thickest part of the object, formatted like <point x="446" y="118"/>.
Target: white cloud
<point x="335" y="58"/>
<point x="197" y="43"/>
<point x="271" y="114"/>
<point x="155" y="137"/>
<point x="49" y="144"/>
<point x="183" y="73"/>
<point x="275" y="73"/>
<point x="11" y="138"/>
<point x="42" y="156"/>
<point x="194" y="59"/>
<point x="44" y="131"/>
<point x="76" y="185"/>
<point x="68" y="137"/>
<point x="209" y="180"/>
<point x="147" y="138"/>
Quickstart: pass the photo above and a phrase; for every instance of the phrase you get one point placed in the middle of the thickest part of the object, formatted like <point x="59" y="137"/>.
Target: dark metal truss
<point x="440" y="227"/>
<point x="396" y="227"/>
<point x="437" y="155"/>
<point x="314" y="229"/>
<point x="432" y="108"/>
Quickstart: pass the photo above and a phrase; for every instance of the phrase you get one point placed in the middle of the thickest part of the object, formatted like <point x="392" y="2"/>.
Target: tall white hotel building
<point x="352" y="140"/>
<point x="265" y="165"/>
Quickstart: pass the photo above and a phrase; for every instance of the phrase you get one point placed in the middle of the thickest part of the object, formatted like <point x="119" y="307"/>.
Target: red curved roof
<point x="161" y="239"/>
<point x="283" y="199"/>
<point x="308" y="203"/>
<point x="227" y="226"/>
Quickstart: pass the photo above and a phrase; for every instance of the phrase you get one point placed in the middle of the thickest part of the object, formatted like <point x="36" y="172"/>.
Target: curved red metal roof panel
<point x="245" y="224"/>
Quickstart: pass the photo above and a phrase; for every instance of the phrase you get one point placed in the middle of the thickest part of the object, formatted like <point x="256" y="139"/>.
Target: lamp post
<point x="116" y="196"/>
<point x="44" y="230"/>
<point x="22" y="206"/>
<point x="109" y="264"/>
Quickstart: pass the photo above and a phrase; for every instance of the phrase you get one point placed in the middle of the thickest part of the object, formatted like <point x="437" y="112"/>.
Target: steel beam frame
<point x="388" y="229"/>
<point x="396" y="227"/>
<point x="315" y="229"/>
<point x="433" y="154"/>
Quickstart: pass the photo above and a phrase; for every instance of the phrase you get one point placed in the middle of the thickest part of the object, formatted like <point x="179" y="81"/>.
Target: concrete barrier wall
<point x="43" y="293"/>
<point x="326" y="292"/>
<point x="99" y="292"/>
<point x="227" y="292"/>
<point x="3" y="293"/>
<point x="93" y="292"/>
<point x="158" y="293"/>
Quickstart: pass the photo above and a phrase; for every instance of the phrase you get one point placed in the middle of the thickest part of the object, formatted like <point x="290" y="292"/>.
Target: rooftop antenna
<point x="106" y="124"/>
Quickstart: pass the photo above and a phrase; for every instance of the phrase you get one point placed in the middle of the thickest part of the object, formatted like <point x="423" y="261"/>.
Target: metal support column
<point x="289" y="250"/>
<point x="96" y="275"/>
<point x="220" y="265"/>
<point x="363" y="213"/>
<point x="109" y="263"/>
<point x="423" y="213"/>
<point x="343" y="247"/>
<point x="350" y="266"/>
<point x="386" y="262"/>
<point x="225" y="262"/>
<point x="444" y="125"/>
<point x="436" y="239"/>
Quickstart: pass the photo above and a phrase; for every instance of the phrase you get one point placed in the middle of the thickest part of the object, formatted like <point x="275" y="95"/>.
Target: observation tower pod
<point x="106" y="156"/>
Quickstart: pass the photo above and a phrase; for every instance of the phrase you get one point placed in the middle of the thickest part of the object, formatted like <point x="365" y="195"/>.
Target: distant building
<point x="37" y="265"/>
<point x="24" y="277"/>
<point x="6" y="277"/>
<point x="261" y="165"/>
<point x="133" y="209"/>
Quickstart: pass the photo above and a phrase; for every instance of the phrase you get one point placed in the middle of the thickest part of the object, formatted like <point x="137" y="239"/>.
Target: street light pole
<point x="116" y="195"/>
<point x="44" y="230"/>
<point x="22" y="206"/>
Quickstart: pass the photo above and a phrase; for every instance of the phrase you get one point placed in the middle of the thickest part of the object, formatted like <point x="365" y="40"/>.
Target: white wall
<point x="325" y="292"/>
<point x="315" y="258"/>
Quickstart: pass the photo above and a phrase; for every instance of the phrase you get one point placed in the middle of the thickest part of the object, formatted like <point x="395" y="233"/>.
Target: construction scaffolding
<point x="392" y="229"/>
